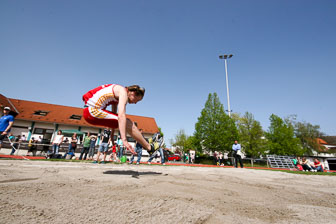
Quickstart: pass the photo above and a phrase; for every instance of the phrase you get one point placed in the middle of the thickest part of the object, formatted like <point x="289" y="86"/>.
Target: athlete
<point x="96" y="102"/>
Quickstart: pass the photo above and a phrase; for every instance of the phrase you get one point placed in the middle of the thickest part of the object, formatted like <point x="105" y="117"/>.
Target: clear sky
<point x="283" y="63"/>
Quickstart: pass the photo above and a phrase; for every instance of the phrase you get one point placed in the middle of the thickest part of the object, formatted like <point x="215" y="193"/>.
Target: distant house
<point x="35" y="119"/>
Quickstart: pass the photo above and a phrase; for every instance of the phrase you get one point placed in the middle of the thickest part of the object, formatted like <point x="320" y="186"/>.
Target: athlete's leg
<point x="136" y="134"/>
<point x="100" y="117"/>
<point x="106" y="118"/>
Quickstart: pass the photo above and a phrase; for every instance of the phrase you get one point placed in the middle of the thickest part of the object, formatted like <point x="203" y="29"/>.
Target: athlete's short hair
<point x="139" y="91"/>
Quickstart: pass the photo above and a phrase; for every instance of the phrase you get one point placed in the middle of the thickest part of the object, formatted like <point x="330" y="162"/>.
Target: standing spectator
<point x="120" y="147"/>
<point x="6" y="122"/>
<point x="138" y="150"/>
<point x="221" y="159"/>
<point x="16" y="144"/>
<point x="114" y="153"/>
<point x="73" y="143"/>
<point x="215" y="158"/>
<point x="93" y="140"/>
<point x="318" y="165"/>
<point x="236" y="154"/>
<point x="103" y="148"/>
<point x="86" y="146"/>
<point x="158" y="138"/>
<point x="157" y="153"/>
<point x="58" y="139"/>
<point x="32" y="146"/>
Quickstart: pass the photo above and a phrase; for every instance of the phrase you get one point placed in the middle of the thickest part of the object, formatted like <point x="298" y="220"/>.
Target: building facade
<point x="43" y="120"/>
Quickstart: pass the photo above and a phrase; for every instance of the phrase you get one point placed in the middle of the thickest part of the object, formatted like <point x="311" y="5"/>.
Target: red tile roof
<point x="61" y="115"/>
<point x="4" y="102"/>
<point x="321" y="141"/>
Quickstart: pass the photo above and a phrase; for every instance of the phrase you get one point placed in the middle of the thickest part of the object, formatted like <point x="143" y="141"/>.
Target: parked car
<point x="174" y="157"/>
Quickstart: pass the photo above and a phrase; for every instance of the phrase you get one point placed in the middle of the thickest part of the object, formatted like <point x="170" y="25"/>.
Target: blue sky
<point x="283" y="63"/>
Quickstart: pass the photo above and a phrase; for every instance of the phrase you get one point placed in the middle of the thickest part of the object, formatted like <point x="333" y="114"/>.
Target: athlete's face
<point x="133" y="98"/>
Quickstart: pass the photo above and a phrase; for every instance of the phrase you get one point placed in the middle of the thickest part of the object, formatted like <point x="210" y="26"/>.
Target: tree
<point x="214" y="130"/>
<point x="180" y="140"/>
<point x="250" y="135"/>
<point x="281" y="138"/>
<point x="307" y="133"/>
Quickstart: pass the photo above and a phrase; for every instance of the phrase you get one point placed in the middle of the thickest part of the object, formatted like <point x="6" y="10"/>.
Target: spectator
<point x="236" y="147"/>
<point x="138" y="150"/>
<point x="66" y="140"/>
<point x="114" y="153"/>
<point x="93" y="140"/>
<point x="86" y="146"/>
<point x="298" y="164"/>
<point x="120" y="147"/>
<point x="32" y="146"/>
<point x="158" y="138"/>
<point x="157" y="153"/>
<point x="318" y="166"/>
<point x="72" y="146"/>
<point x="73" y="143"/>
<point x="16" y="144"/>
<point x="215" y="155"/>
<point x="221" y="159"/>
<point x="23" y="138"/>
<point x="58" y="139"/>
<point x="6" y="122"/>
<point x="305" y="165"/>
<point x="103" y="148"/>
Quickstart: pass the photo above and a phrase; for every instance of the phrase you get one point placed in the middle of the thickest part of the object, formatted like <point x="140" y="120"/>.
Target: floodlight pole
<point x="225" y="57"/>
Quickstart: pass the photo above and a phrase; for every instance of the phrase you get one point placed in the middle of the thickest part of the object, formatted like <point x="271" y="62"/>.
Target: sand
<point x="72" y="192"/>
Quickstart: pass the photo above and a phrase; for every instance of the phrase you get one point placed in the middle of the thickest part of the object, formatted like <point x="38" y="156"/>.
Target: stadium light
<point x="225" y="57"/>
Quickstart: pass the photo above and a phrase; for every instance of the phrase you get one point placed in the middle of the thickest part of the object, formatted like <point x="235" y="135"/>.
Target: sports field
<point x="69" y="192"/>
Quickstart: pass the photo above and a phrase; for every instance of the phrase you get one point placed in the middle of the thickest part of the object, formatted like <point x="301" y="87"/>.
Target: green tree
<point x="281" y="138"/>
<point x="180" y="140"/>
<point x="307" y="133"/>
<point x="251" y="135"/>
<point x="214" y="130"/>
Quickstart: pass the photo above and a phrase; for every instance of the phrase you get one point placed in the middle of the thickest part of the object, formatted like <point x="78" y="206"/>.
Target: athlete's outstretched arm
<point x="114" y="110"/>
<point x="123" y="98"/>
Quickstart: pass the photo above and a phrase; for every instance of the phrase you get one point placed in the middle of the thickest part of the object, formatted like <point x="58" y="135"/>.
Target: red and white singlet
<point x="96" y="101"/>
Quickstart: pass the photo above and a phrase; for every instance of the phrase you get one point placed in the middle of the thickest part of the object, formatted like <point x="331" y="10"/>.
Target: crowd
<point x="305" y="165"/>
<point x="236" y="154"/>
<point x="89" y="147"/>
<point x="116" y="148"/>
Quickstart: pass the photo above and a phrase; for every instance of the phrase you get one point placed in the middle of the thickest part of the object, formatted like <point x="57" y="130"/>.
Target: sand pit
<point x="61" y="192"/>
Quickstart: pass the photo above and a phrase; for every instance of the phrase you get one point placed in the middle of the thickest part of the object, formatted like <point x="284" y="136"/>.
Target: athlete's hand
<point x="129" y="147"/>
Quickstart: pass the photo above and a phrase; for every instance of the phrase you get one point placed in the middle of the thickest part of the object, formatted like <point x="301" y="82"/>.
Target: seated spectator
<point x="23" y="138"/>
<point x="298" y="163"/>
<point x="305" y="165"/>
<point x="318" y="166"/>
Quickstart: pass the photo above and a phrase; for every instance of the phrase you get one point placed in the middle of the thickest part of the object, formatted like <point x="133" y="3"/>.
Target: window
<point x="42" y="131"/>
<point x="75" y="117"/>
<point x="41" y="113"/>
<point x="38" y="131"/>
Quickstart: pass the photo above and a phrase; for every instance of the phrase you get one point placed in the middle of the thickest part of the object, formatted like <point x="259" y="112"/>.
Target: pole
<point x="227" y="88"/>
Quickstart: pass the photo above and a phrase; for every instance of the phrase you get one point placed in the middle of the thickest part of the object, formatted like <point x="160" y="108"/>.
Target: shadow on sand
<point x="132" y="173"/>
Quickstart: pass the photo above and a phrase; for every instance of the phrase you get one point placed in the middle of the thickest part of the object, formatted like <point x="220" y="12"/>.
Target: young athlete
<point x="96" y="102"/>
